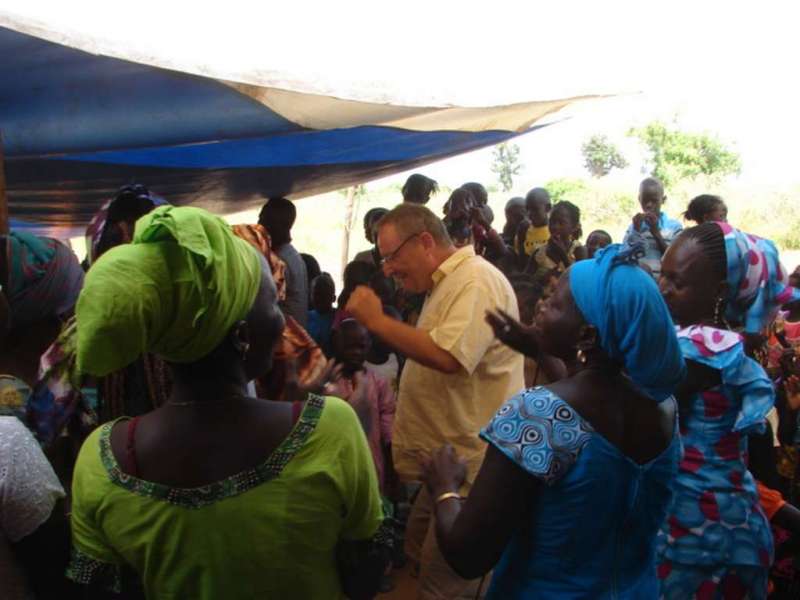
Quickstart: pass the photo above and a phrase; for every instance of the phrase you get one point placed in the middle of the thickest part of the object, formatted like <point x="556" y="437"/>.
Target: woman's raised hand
<point x="512" y="333"/>
<point x="444" y="471"/>
<point x="323" y="383"/>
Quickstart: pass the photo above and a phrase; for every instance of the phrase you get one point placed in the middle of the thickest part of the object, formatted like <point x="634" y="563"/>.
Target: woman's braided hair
<point x="711" y="239"/>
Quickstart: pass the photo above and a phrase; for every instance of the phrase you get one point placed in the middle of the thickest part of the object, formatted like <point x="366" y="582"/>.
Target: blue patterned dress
<point x="591" y="533"/>
<point x="716" y="542"/>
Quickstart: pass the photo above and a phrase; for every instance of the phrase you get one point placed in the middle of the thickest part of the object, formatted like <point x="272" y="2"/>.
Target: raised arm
<point x="413" y="342"/>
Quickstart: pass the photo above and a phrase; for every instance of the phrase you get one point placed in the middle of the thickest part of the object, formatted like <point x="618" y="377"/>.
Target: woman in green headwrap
<point x="214" y="494"/>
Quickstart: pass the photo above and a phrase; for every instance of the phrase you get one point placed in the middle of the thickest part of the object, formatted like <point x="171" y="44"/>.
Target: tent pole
<point x="4" y="225"/>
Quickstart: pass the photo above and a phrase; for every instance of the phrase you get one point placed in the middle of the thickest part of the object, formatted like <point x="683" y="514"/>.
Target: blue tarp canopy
<point x="77" y="124"/>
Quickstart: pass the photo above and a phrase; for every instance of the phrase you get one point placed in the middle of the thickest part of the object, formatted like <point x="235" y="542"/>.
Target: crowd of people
<point x="512" y="412"/>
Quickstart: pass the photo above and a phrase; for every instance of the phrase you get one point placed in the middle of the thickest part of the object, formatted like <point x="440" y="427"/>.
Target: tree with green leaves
<point x="675" y="155"/>
<point x="600" y="156"/>
<point x="506" y="164"/>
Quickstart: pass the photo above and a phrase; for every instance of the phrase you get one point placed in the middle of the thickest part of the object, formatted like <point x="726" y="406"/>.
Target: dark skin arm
<point x="699" y="378"/>
<point x="522" y="231"/>
<point x="294" y="391"/>
<point x="652" y="223"/>
<point x="413" y="342"/>
<point x="473" y="534"/>
<point x="360" y="403"/>
<point x="520" y="337"/>
<point x="557" y="251"/>
<point x="494" y="243"/>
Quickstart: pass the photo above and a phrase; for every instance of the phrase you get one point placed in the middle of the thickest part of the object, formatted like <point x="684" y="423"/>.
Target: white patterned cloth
<point x="29" y="490"/>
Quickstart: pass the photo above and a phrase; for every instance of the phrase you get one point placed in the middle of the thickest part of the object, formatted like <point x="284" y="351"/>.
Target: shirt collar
<point x="452" y="263"/>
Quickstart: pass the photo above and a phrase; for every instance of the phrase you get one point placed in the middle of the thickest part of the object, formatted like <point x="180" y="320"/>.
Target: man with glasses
<point x="457" y="373"/>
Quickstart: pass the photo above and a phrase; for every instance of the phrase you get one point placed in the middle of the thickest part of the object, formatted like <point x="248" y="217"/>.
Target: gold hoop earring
<point x="582" y="357"/>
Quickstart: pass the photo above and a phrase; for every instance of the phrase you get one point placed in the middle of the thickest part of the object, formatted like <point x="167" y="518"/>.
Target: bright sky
<point x="728" y="67"/>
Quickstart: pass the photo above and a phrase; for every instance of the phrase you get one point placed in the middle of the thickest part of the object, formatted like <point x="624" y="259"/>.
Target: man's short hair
<point x="410" y="219"/>
<point x="537" y="194"/>
<point x="652" y="183"/>
<point x="278" y="213"/>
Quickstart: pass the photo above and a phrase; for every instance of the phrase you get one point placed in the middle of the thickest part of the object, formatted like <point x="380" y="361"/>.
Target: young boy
<point x="320" y="317"/>
<point x="597" y="240"/>
<point x="652" y="226"/>
<point x="381" y="358"/>
<point x="533" y="232"/>
<point x="516" y="213"/>
<point x="563" y="248"/>
<point x="370" y="394"/>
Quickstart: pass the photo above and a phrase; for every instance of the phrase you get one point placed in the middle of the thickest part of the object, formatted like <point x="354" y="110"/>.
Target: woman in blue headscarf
<point x="577" y="475"/>
<point x="716" y="542"/>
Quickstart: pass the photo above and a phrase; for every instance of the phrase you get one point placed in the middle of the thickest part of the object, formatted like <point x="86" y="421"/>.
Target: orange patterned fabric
<point x="258" y="237"/>
<point x="771" y="500"/>
<point x="296" y="345"/>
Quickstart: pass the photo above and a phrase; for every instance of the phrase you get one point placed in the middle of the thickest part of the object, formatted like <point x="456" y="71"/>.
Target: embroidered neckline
<point x="230" y="486"/>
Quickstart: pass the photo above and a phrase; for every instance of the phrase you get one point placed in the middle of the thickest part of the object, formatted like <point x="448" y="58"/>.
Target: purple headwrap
<point x="97" y="226"/>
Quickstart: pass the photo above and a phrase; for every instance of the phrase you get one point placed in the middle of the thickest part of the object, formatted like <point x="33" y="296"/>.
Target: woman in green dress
<point x="214" y="494"/>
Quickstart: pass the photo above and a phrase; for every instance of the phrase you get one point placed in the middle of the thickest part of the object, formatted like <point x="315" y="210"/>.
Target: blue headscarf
<point x="634" y="325"/>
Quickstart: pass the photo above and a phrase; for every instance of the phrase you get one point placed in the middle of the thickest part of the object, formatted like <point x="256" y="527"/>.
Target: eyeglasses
<point x="393" y="255"/>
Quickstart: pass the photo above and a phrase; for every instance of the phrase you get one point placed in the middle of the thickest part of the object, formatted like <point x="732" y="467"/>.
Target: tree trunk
<point x="350" y="214"/>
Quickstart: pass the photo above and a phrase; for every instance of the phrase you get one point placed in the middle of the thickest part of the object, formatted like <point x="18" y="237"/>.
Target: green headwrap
<point x="175" y="291"/>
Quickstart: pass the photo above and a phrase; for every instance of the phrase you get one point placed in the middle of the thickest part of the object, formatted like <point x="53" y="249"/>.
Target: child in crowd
<point x="783" y="349"/>
<point x="320" y="317"/>
<point x="371" y="256"/>
<point x="458" y="211"/>
<point x="374" y="401"/>
<point x="515" y="215"/>
<point x="563" y="248"/>
<point x="370" y="394"/>
<point x="481" y="197"/>
<point x="356" y="273"/>
<point x="381" y="358"/>
<point x="597" y="239"/>
<point x="533" y="232"/>
<point x="418" y="189"/>
<point x="706" y="207"/>
<point x="313" y="270"/>
<point x="652" y="227"/>
<point x="528" y="295"/>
